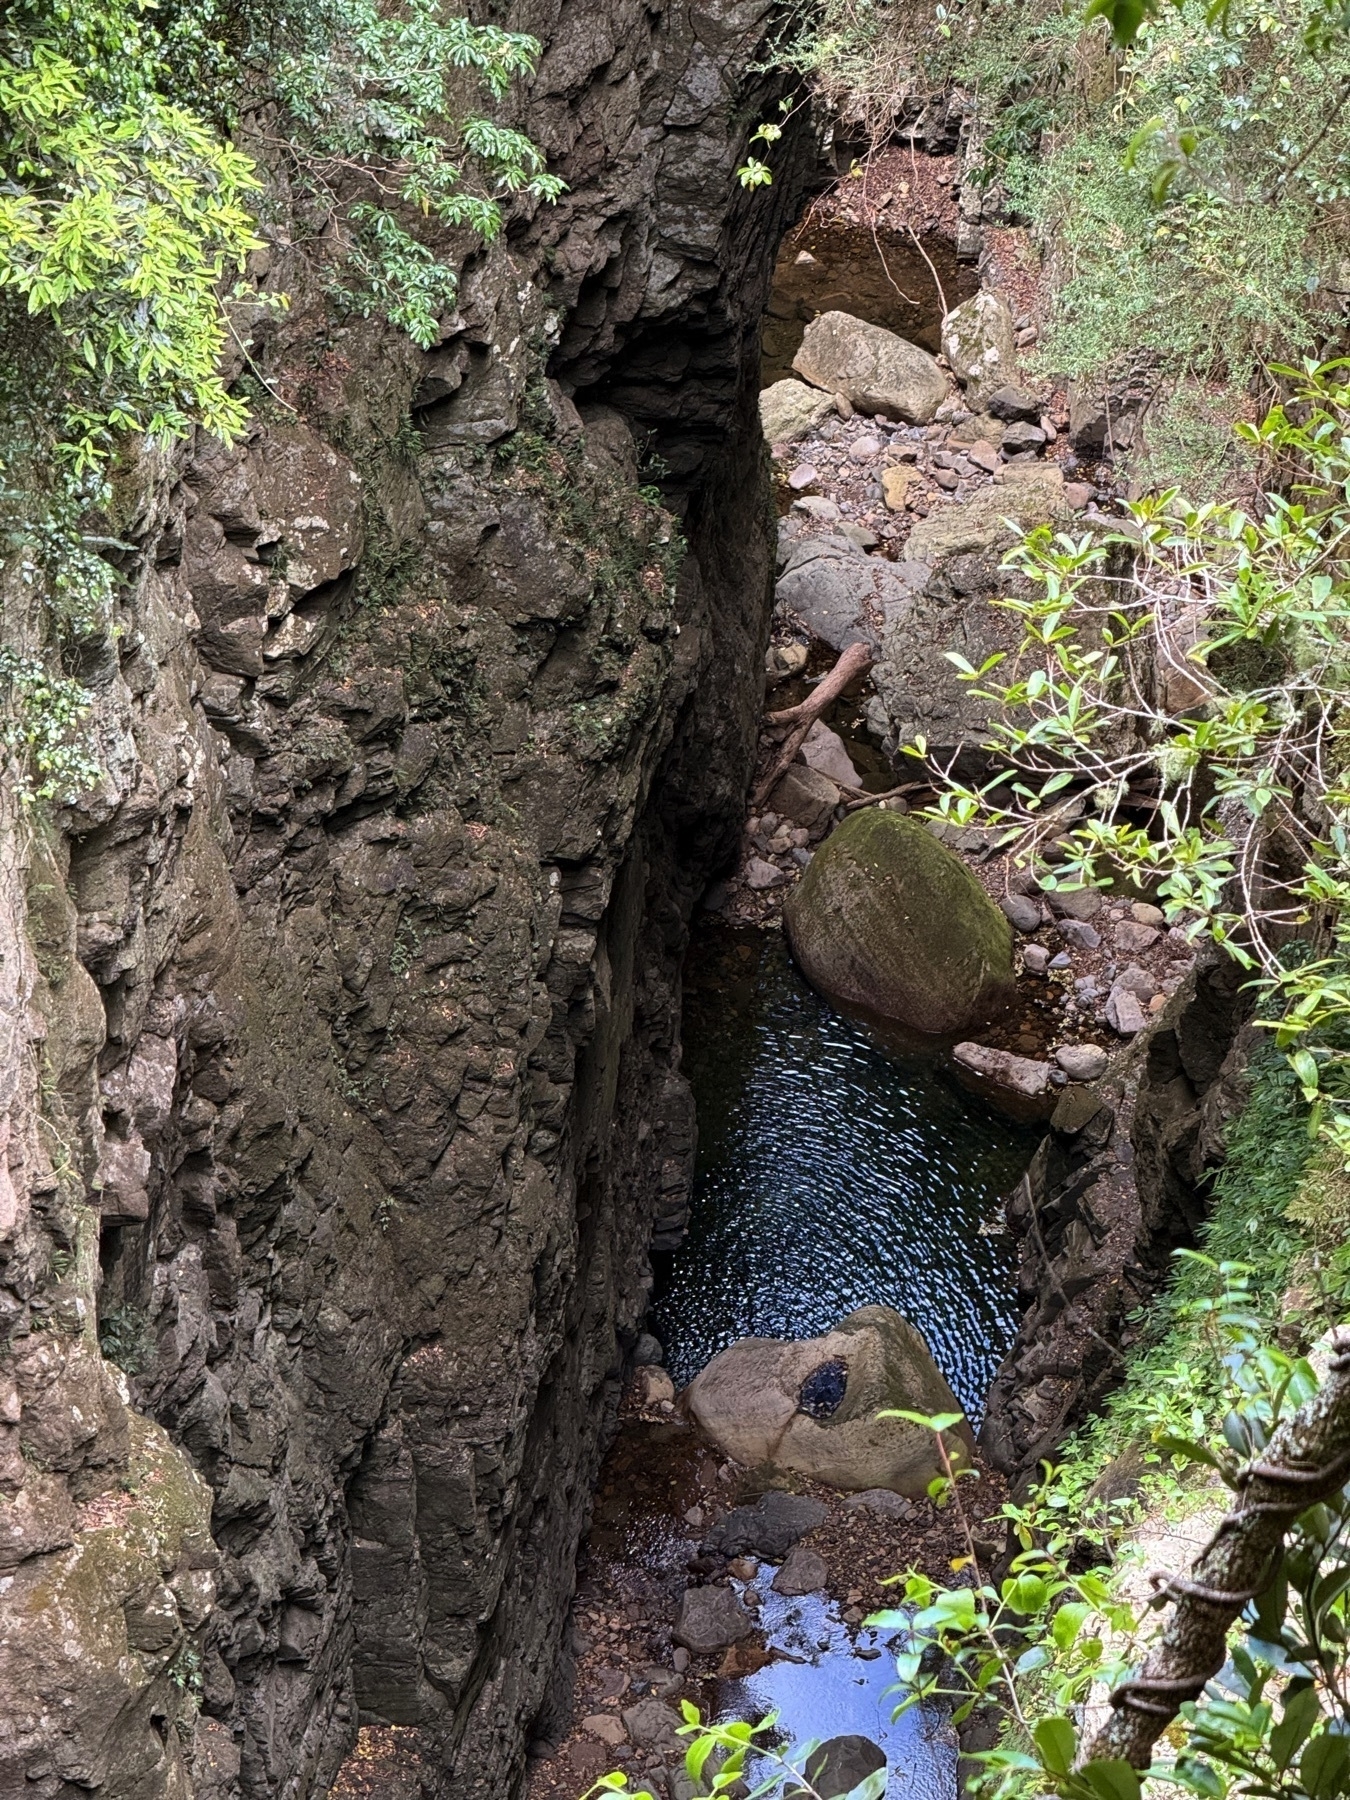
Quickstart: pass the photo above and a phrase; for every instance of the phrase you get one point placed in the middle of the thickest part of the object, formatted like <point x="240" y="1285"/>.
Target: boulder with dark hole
<point x="748" y="1400"/>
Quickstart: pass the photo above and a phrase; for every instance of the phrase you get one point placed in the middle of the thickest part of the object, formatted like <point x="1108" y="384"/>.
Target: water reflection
<point x="835" y="1170"/>
<point x="833" y="1683"/>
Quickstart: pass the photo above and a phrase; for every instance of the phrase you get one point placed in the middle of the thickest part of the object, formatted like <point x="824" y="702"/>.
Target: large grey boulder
<point x="960" y="546"/>
<point x="789" y="409"/>
<point x="888" y="918"/>
<point x="709" y="1619"/>
<point x="830" y="584"/>
<point x="749" y="1401"/>
<point x="1029" y="494"/>
<point x="874" y="369"/>
<point x="979" y="342"/>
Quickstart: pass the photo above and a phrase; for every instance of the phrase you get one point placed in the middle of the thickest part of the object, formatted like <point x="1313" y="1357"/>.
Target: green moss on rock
<point x="887" y="918"/>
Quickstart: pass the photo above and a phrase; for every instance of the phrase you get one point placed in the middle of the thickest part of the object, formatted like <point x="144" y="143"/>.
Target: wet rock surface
<point x="343" y="977"/>
<point x="663" y="1491"/>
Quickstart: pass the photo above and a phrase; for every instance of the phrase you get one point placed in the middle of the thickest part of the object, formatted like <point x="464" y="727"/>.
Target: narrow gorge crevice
<point x="356" y="984"/>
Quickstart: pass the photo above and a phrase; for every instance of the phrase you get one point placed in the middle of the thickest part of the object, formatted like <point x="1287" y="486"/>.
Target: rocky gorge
<point x="344" y="1103"/>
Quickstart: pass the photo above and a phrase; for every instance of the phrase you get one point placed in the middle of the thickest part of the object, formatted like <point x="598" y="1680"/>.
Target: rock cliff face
<point x="341" y="1071"/>
<point x="1120" y="1181"/>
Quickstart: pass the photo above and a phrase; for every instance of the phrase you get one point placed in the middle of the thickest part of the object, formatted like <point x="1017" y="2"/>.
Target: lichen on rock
<point x="888" y="919"/>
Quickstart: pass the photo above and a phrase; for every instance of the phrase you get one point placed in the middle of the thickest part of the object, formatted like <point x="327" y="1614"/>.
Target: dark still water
<point x="835" y="1170"/>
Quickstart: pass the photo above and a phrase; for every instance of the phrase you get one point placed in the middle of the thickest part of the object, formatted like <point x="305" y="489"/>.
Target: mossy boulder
<point x="888" y="918"/>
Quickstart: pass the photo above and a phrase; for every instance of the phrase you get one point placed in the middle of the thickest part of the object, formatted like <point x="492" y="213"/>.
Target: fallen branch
<point x="855" y="661"/>
<point x="1306" y="1461"/>
<point x="862" y="798"/>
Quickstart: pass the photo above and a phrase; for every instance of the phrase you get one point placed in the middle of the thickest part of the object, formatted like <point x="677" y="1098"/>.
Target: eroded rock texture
<point x="1121" y="1180"/>
<point x="343" y="1019"/>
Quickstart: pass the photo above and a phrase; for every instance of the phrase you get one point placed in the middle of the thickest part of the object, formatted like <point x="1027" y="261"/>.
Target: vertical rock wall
<point x="342" y="1061"/>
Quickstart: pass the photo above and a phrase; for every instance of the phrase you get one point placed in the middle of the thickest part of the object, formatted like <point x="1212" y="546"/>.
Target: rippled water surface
<point x="836" y="1169"/>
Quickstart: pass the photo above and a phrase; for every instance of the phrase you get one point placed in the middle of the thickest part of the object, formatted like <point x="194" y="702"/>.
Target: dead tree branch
<point x="855" y="661"/>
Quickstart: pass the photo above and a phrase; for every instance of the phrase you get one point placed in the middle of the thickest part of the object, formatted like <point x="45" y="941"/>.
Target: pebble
<point x="761" y="875"/>
<point x="948" y="479"/>
<point x="1021" y="911"/>
<point x="802" y="477"/>
<point x="695" y="1516"/>
<point x="1079" y="933"/>
<point x="1082" y="1062"/>
<point x="680" y="1660"/>
<point x="1144" y="914"/>
<point x="865" y="449"/>
<point x="984" y="456"/>
<point x="1078" y="494"/>
<point x="843" y="406"/>
<point x="1035" y="957"/>
<point x="1062" y="961"/>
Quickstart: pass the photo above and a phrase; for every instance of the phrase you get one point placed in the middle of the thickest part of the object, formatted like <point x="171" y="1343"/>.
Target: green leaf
<point x="1057" y="1742"/>
<point x="1111" y="1779"/>
<point x="1324" y="1765"/>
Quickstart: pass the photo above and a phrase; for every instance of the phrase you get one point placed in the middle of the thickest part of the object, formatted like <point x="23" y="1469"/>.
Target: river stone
<point x="831" y="584"/>
<point x="1124" y="1014"/>
<point x="769" y="1528"/>
<point x="606" y="1727"/>
<point x="761" y="875"/>
<point x="1080" y="934"/>
<point x="979" y="342"/>
<point x="888" y="918"/>
<point x="746" y="1401"/>
<point x="1019" y="1085"/>
<point x="1021" y="912"/>
<point x="823" y="750"/>
<point x="807" y="797"/>
<point x="789" y="409"/>
<point x="803" y="1573"/>
<point x="1082" y="1062"/>
<point x="652" y="1725"/>
<point x="1075" y="903"/>
<point x="839" y="1765"/>
<point x="880" y="1500"/>
<point x="1014" y="403"/>
<point x="874" y="369"/>
<point x="709" y="1619"/>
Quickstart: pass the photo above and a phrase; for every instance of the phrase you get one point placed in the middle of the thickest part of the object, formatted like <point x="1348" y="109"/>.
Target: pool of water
<point x="837" y="1168"/>
<point x="833" y="1682"/>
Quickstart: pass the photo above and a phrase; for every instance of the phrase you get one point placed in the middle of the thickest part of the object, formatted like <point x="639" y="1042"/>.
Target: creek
<point x="838" y="1167"/>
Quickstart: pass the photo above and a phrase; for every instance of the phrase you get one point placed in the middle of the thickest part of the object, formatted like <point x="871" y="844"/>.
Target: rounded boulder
<point x="889" y="919"/>
<point x="759" y="1403"/>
